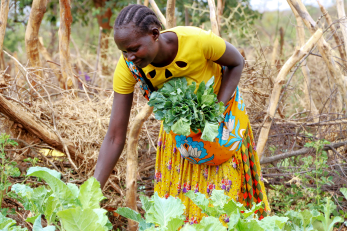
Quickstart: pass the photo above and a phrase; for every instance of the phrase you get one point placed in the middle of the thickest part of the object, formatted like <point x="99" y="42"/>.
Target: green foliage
<point x="182" y="110"/>
<point x="301" y="194"/>
<point x="167" y="214"/>
<point x="8" y="224"/>
<point x="75" y="208"/>
<point x="7" y="167"/>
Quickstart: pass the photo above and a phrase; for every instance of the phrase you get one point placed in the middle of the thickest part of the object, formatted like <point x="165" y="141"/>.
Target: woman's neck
<point x="168" y="48"/>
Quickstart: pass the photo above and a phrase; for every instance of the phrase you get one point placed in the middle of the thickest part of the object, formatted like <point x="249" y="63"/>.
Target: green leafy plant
<point x="8" y="224"/>
<point x="7" y="168"/>
<point x="75" y="208"/>
<point x="182" y="110"/>
<point x="33" y="161"/>
<point x="318" y="175"/>
<point x="167" y="214"/>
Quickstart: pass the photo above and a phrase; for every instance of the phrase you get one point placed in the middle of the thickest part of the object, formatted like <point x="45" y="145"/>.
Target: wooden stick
<point x="323" y="46"/>
<point x="3" y="20"/>
<point x="308" y="103"/>
<point x="38" y="9"/>
<point x="67" y="80"/>
<point x="213" y="17"/>
<point x="342" y="17"/>
<point x="158" y="12"/>
<point x="275" y="58"/>
<point x="132" y="161"/>
<point x="335" y="34"/>
<point x="276" y="91"/>
<point x="170" y="14"/>
<point x="18" y="115"/>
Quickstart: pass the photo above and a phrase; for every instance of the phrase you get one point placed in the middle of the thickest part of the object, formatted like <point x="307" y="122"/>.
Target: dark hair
<point x="140" y="15"/>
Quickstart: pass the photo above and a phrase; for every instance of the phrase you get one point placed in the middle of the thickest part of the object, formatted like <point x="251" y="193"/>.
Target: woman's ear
<point x="155" y="33"/>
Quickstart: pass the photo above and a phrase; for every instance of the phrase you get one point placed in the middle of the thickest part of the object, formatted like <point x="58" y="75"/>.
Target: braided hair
<point x="140" y="15"/>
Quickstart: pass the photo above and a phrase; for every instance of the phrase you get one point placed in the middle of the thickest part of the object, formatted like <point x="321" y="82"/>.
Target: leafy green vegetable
<point x="37" y="226"/>
<point x="184" y="111"/>
<point x="76" y="208"/>
<point x="80" y="219"/>
<point x="90" y="194"/>
<point x="8" y="224"/>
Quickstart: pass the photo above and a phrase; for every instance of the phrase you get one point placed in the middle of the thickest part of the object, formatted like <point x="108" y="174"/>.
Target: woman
<point x="152" y="58"/>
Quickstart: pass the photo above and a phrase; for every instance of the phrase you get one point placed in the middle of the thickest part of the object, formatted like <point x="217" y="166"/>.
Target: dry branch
<point x="158" y="12"/>
<point x="38" y="9"/>
<point x="296" y="57"/>
<point x="132" y="163"/>
<point x="299" y="152"/>
<point x="213" y="17"/>
<point x="342" y="16"/>
<point x="18" y="115"/>
<point x="67" y="80"/>
<point x="323" y="46"/>
<point x="333" y="30"/>
<point x="3" y="21"/>
<point x="308" y="103"/>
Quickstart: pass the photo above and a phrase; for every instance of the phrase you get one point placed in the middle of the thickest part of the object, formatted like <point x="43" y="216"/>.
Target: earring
<point x="157" y="39"/>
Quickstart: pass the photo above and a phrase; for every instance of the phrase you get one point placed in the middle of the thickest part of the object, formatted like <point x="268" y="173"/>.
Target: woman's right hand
<point x="114" y="141"/>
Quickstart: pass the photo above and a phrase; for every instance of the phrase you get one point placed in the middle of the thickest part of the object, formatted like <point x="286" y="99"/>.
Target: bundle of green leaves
<point x="183" y="110"/>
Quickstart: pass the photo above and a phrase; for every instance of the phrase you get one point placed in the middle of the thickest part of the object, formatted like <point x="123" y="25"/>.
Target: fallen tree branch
<point x="299" y="152"/>
<point x="24" y="118"/>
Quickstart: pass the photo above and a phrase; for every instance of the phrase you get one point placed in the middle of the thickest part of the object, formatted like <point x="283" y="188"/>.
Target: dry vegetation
<point x="79" y="117"/>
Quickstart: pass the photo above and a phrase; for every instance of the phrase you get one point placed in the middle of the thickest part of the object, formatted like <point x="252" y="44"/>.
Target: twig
<point x="299" y="152"/>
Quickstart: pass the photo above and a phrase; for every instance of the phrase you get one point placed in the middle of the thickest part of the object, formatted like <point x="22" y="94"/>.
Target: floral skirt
<point x="240" y="177"/>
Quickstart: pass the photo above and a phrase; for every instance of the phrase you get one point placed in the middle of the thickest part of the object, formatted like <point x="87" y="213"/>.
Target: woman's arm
<point x="234" y="63"/>
<point x="114" y="141"/>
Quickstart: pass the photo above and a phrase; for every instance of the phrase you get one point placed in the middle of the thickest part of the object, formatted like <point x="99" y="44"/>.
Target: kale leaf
<point x="183" y="110"/>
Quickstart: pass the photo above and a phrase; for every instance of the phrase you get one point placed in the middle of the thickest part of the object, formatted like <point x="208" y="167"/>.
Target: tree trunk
<point x="38" y="9"/>
<point x="213" y="17"/>
<point x="47" y="57"/>
<point x="170" y="14"/>
<point x="145" y="3"/>
<point x="186" y="17"/>
<point x="342" y="17"/>
<point x="67" y="80"/>
<point x="220" y="9"/>
<point x="335" y="34"/>
<point x="308" y="103"/>
<point x="276" y="91"/>
<point x="324" y="48"/>
<point x="3" y="21"/>
<point x="104" y="23"/>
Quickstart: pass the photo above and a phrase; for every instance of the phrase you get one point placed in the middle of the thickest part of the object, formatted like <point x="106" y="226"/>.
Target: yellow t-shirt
<point x="197" y="48"/>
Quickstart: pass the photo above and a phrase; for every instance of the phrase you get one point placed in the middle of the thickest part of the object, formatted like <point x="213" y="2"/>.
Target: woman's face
<point x="138" y="47"/>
